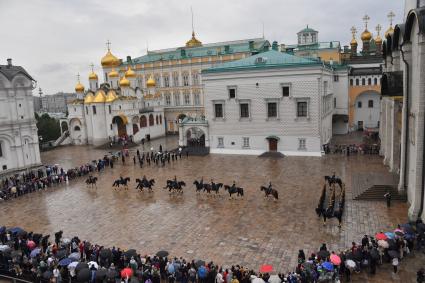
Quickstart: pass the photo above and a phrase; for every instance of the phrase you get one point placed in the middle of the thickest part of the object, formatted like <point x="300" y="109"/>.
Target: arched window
<point x="151" y="120"/>
<point x="357" y="81"/>
<point x="369" y="81"/>
<point x="76" y="128"/>
<point x="157" y="119"/>
<point x="143" y="122"/>
<point x="160" y="119"/>
<point x="375" y="81"/>
<point x="363" y="81"/>
<point x="351" y="82"/>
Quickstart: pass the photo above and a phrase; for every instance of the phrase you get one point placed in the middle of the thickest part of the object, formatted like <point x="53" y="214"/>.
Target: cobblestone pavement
<point x="250" y="231"/>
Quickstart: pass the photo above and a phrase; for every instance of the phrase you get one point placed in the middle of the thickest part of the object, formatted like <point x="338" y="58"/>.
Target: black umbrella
<point x="81" y="266"/>
<point x="408" y="228"/>
<point x="111" y="274"/>
<point x="393" y="254"/>
<point x="357" y="255"/>
<point x="420" y="227"/>
<point x="130" y="253"/>
<point x="392" y="244"/>
<point x="374" y="254"/>
<point x="323" y="254"/>
<point x="105" y="253"/>
<point x="47" y="275"/>
<point x="60" y="254"/>
<point x="84" y="275"/>
<point x="199" y="263"/>
<point x="101" y="274"/>
<point x="162" y="253"/>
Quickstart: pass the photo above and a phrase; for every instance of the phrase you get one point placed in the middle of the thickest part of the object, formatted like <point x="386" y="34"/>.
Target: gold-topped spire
<point x="124" y="82"/>
<point x="130" y="73"/>
<point x="193" y="42"/>
<point x="113" y="74"/>
<point x="390" y="30"/>
<point x="378" y="39"/>
<point x="79" y="87"/>
<point x="92" y="75"/>
<point x="353" y="32"/>
<point x="109" y="60"/>
<point x="366" y="35"/>
<point x="151" y="82"/>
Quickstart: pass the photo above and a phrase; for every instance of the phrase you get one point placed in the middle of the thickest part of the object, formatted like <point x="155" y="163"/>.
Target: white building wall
<point x="369" y="115"/>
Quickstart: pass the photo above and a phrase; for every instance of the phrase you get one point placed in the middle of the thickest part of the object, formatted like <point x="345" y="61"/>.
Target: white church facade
<point x="19" y="147"/>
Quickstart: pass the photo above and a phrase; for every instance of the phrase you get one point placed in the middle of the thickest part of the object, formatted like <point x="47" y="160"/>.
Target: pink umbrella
<point x="381" y="236"/>
<point x="336" y="260"/>
<point x="266" y="268"/>
<point x="31" y="245"/>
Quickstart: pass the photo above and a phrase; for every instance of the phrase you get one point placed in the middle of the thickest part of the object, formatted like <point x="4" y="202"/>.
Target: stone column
<point x="181" y="135"/>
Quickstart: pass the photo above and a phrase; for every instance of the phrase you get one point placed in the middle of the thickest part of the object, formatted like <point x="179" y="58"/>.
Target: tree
<point x="48" y="127"/>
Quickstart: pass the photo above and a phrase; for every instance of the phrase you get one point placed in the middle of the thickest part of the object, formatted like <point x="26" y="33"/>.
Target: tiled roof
<point x="11" y="71"/>
<point x="319" y="45"/>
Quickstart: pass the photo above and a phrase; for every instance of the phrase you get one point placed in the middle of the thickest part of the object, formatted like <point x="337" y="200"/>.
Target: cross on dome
<point x="378" y="29"/>
<point x="108" y="44"/>
<point x="366" y="19"/>
<point x="353" y="31"/>
<point x="391" y="16"/>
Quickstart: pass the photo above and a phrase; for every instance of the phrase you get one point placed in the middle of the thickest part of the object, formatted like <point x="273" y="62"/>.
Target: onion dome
<point x="130" y="73"/>
<point x="378" y="39"/>
<point x="124" y="82"/>
<point x="89" y="98"/>
<point x="92" y="76"/>
<point x="366" y="35"/>
<point x="113" y="74"/>
<point x="389" y="31"/>
<point x="193" y="42"/>
<point x="111" y="97"/>
<point x="100" y="97"/>
<point x="353" y="41"/>
<point x="151" y="82"/>
<point x="109" y="60"/>
<point x="79" y="87"/>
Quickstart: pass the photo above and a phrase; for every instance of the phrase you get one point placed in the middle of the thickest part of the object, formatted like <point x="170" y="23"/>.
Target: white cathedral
<point x="115" y="109"/>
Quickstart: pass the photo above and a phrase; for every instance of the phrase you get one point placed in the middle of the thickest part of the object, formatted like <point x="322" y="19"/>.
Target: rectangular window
<point x="220" y="142"/>
<point x="334" y="102"/>
<point x="197" y="99"/>
<point x="186" y="99"/>
<point x="1" y="150"/>
<point x="302" y="109"/>
<point x="166" y="81"/>
<point x="176" y="99"/>
<point x="168" y="99"/>
<point x="232" y="93"/>
<point x="218" y="110"/>
<point x="325" y="88"/>
<point x="245" y="142"/>
<point x="370" y="103"/>
<point x="272" y="110"/>
<point x="336" y="78"/>
<point x="301" y="144"/>
<point x="176" y="79"/>
<point x="109" y="109"/>
<point x="87" y="110"/>
<point x="195" y="78"/>
<point x="285" y="91"/>
<point x="244" y="110"/>
<point x="185" y="79"/>
<point x="94" y="110"/>
<point x="359" y="104"/>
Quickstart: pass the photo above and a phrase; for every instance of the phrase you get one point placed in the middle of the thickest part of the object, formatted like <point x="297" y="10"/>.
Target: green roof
<point x="315" y="46"/>
<point x="307" y="29"/>
<point x="269" y="59"/>
<point x="212" y="49"/>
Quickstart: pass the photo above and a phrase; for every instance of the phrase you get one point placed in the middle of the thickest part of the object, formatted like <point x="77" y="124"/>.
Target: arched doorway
<point x="143" y="121"/>
<point x="195" y="137"/>
<point x="135" y="122"/>
<point x="273" y="140"/>
<point x="120" y="122"/>
<point x="64" y="126"/>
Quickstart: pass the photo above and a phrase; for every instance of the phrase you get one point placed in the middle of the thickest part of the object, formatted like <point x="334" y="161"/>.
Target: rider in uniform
<point x="144" y="180"/>
<point x="234" y="185"/>
<point x="175" y="181"/>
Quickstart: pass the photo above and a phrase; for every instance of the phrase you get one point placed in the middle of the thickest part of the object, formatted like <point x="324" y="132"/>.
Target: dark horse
<point x="234" y="190"/>
<point x="213" y="187"/>
<point x="121" y="181"/>
<point x="199" y="185"/>
<point x="174" y="186"/>
<point x="145" y="184"/>
<point x="334" y="207"/>
<point x="91" y="181"/>
<point x="270" y="191"/>
<point x="333" y="180"/>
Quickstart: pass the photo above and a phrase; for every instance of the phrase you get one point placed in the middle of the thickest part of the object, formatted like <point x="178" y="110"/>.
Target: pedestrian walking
<point x="395" y="264"/>
<point x="388" y="198"/>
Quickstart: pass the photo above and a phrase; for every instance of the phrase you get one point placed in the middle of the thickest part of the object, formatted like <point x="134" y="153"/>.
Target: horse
<point x="145" y="184"/>
<point x="216" y="187"/>
<point x="234" y="190"/>
<point x="335" y="206"/>
<point x="270" y="191"/>
<point x="121" y="181"/>
<point x="174" y="186"/>
<point x="198" y="185"/>
<point x="91" y="181"/>
<point x="333" y="180"/>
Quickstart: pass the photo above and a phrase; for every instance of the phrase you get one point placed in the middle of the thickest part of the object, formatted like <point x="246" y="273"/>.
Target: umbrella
<point x="31" y="245"/>
<point x="111" y="274"/>
<point x="65" y="261"/>
<point x="84" y="275"/>
<point x="408" y="236"/>
<point x="390" y="235"/>
<point x="101" y="274"/>
<point x="126" y="272"/>
<point x="199" y="263"/>
<point x="328" y="266"/>
<point x="350" y="264"/>
<point x="392" y="243"/>
<point x="274" y="279"/>
<point x="73" y="265"/>
<point x="266" y="268"/>
<point x="130" y="253"/>
<point x="66" y="241"/>
<point x="61" y="254"/>
<point x="35" y="252"/>
<point x="47" y="275"/>
<point x="255" y="279"/>
<point x="81" y="266"/>
<point x="93" y="264"/>
<point x="4" y="248"/>
<point x="374" y="254"/>
<point x="16" y="253"/>
<point x="105" y="253"/>
<point x="323" y="254"/>
<point x="393" y="254"/>
<point x="383" y="244"/>
<point x="335" y="259"/>
<point x="16" y="230"/>
<point x="2" y="229"/>
<point x="381" y="236"/>
<point x="162" y="253"/>
<point x="357" y="255"/>
<point x="75" y="256"/>
<point x="408" y="228"/>
<point x="420" y="227"/>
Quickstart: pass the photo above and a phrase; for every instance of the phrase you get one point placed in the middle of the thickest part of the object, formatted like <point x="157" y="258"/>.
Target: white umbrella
<point x="255" y="279"/>
<point x="73" y="265"/>
<point x="93" y="263"/>
<point x="274" y="279"/>
<point x="66" y="241"/>
<point x="4" y="248"/>
<point x="75" y="256"/>
<point x="350" y="264"/>
<point x="383" y="244"/>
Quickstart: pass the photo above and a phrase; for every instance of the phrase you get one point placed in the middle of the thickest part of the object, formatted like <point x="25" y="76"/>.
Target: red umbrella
<point x="336" y="260"/>
<point x="381" y="236"/>
<point x="266" y="268"/>
<point x="126" y="272"/>
<point x="31" y="245"/>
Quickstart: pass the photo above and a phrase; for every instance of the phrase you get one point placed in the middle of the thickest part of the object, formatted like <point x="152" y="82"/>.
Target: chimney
<point x="129" y="59"/>
<point x="9" y="62"/>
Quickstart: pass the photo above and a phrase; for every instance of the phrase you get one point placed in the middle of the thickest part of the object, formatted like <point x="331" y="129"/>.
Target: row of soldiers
<point x="158" y="158"/>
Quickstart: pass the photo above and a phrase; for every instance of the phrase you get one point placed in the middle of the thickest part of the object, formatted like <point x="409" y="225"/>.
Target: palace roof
<point x="315" y="46"/>
<point x="11" y="71"/>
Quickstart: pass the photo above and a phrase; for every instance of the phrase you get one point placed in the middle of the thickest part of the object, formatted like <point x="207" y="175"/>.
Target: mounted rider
<point x="175" y="183"/>
<point x="144" y="181"/>
<point x="233" y="187"/>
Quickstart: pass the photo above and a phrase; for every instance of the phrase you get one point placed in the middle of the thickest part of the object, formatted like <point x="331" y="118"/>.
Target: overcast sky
<point x="54" y="40"/>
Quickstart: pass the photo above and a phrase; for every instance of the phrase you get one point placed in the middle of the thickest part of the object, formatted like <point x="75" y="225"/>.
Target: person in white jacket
<point x="219" y="278"/>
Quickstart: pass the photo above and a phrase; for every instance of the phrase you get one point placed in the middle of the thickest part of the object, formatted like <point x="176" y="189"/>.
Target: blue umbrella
<point x="35" y="252"/>
<point x="16" y="230"/>
<point x="328" y="266"/>
<point x="409" y="236"/>
<point x="65" y="261"/>
<point x="2" y="229"/>
<point x="202" y="272"/>
<point x="390" y="235"/>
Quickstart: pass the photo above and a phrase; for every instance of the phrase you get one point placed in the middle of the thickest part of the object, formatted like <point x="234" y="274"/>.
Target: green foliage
<point x="48" y="127"/>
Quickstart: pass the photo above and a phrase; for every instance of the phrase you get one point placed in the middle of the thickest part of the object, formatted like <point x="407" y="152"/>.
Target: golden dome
<point x="193" y="42"/>
<point x="100" y="97"/>
<point x="378" y="40"/>
<point x="130" y="73"/>
<point x="353" y="41"/>
<point x="124" y="82"/>
<point x="79" y="87"/>
<point x="111" y="97"/>
<point x="109" y="60"/>
<point x="366" y="35"/>
<point x="92" y="76"/>
<point x="389" y="31"/>
<point x="113" y="74"/>
<point x="151" y="82"/>
<point x="89" y="98"/>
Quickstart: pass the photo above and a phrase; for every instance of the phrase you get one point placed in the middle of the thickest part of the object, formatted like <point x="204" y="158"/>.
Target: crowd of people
<point x="39" y="258"/>
<point x="159" y="158"/>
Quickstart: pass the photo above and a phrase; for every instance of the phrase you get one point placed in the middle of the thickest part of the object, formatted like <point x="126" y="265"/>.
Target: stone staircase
<point x="377" y="192"/>
<point x="373" y="186"/>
